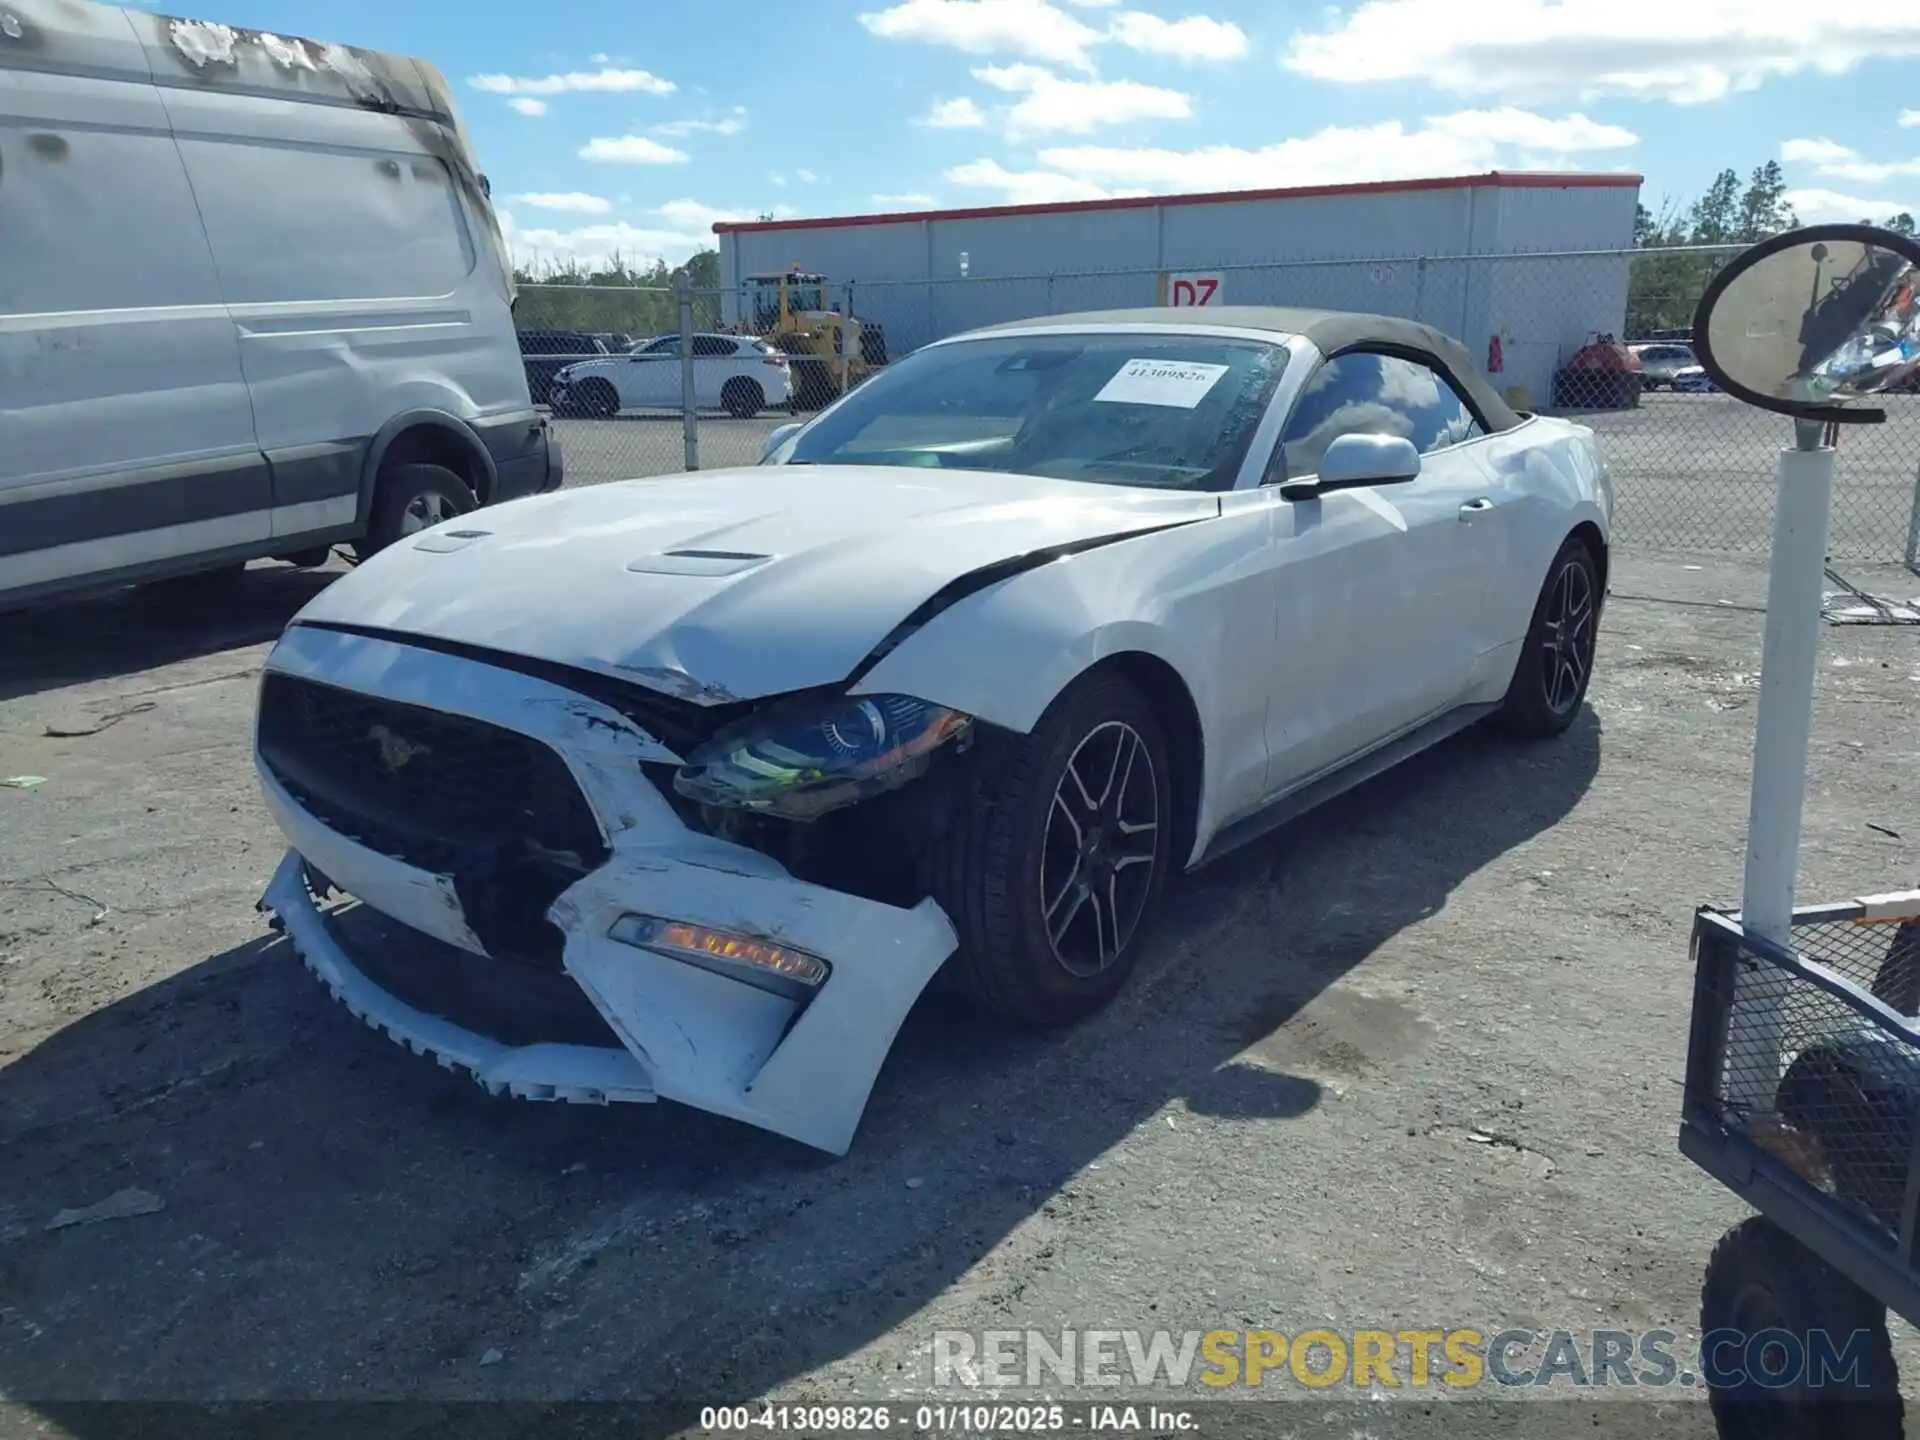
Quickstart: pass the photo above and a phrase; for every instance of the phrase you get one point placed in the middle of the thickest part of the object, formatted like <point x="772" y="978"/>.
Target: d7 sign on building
<point x="1536" y="262"/>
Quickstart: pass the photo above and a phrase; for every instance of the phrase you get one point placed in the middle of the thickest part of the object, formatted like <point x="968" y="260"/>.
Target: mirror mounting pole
<point x="1789" y="664"/>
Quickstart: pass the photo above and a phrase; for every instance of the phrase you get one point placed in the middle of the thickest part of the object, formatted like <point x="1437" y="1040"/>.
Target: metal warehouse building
<point x="1522" y="267"/>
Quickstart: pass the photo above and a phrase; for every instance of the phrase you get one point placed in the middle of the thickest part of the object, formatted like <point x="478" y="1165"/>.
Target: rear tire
<point x="409" y="499"/>
<point x="1556" y="659"/>
<point x="1760" y="1278"/>
<point x="1053" y="870"/>
<point x="742" y="398"/>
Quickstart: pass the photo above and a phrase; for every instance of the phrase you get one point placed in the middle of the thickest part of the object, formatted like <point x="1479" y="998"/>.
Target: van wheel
<point x="411" y="498"/>
<point x="742" y="398"/>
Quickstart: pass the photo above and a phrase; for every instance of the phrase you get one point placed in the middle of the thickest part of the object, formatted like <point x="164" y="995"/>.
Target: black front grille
<point x="495" y="809"/>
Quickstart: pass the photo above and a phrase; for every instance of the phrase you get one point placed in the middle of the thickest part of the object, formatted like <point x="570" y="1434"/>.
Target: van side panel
<point x="126" y="432"/>
<point x="356" y="282"/>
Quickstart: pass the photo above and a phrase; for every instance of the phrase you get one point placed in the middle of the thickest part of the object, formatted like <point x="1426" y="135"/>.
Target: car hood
<point x="729" y="584"/>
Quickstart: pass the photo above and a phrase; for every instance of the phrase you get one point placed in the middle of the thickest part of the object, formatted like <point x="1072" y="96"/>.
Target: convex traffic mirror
<point x="1809" y="322"/>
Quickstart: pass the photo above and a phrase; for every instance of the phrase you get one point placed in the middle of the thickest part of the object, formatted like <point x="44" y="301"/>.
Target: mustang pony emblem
<point x="396" y="751"/>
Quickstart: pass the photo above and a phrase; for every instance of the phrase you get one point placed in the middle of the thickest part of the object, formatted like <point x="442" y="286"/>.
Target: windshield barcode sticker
<point x="1181" y="384"/>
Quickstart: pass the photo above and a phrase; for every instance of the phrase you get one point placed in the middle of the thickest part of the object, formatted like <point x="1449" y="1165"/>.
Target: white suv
<point x="740" y="374"/>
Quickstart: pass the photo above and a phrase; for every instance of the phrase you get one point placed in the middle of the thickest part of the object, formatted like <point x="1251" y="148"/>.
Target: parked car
<point x="1691" y="380"/>
<point x="1659" y="362"/>
<point x="546" y="352"/>
<point x="615" y="341"/>
<point x="739" y="374"/>
<point x="733" y="764"/>
<point x="258" y="313"/>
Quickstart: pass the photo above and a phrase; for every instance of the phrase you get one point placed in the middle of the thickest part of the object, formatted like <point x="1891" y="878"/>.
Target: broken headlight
<point x="798" y="762"/>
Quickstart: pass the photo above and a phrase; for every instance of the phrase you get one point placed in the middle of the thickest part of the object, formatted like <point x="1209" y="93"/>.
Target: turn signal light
<point x="742" y="957"/>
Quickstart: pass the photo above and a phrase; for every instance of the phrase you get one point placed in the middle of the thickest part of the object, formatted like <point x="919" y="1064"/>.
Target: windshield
<point x="1167" y="411"/>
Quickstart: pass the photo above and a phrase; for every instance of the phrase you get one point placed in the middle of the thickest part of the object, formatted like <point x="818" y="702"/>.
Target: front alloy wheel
<point x="1051" y="869"/>
<point x="1097" y="860"/>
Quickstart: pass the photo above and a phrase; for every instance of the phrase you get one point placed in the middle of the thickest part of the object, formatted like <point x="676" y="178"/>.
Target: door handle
<point x="1478" y="506"/>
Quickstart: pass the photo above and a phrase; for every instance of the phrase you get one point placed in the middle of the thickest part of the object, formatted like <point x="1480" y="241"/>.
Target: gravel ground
<point x="1694" y="473"/>
<point x="1413" y="1062"/>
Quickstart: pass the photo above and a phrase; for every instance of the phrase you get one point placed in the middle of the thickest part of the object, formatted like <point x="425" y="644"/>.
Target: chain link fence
<point x="1600" y="336"/>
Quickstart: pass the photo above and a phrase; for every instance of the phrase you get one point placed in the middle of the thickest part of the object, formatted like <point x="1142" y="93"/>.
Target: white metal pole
<point x="1789" y="659"/>
<point x="689" y="412"/>
<point x="1913" y="528"/>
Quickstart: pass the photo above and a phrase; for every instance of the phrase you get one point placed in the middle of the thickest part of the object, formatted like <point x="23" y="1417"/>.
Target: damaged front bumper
<point x="798" y="1062"/>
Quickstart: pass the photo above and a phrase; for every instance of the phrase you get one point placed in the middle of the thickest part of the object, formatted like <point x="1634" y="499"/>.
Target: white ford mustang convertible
<point x="686" y="788"/>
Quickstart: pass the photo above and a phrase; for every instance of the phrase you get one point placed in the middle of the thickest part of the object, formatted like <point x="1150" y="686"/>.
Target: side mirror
<point x="1355" y="460"/>
<point x="781" y="434"/>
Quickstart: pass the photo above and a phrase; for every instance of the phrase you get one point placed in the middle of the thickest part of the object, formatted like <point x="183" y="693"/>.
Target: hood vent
<point x="710" y="563"/>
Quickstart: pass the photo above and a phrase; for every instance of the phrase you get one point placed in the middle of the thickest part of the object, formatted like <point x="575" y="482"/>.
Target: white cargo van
<point x="254" y="302"/>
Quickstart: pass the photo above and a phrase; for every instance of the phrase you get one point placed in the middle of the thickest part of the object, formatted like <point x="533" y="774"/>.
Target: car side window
<point x="665" y="345"/>
<point x="713" y="345"/>
<point x="1363" y="393"/>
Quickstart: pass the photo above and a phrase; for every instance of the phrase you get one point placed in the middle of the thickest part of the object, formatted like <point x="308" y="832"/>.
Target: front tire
<point x="409" y="499"/>
<point x="1052" y="871"/>
<point x="1556" y="659"/>
<point x="597" y="399"/>
<point x="1761" y="1279"/>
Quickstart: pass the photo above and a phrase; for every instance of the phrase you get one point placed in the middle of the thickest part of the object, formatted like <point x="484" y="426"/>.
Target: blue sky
<point x="632" y="126"/>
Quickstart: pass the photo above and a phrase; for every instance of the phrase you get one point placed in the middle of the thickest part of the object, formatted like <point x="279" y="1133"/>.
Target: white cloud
<point x="593" y="245"/>
<point x="730" y="124"/>
<point x="1024" y="187"/>
<point x="600" y="59"/>
<point x="1910" y="117"/>
<point x="1842" y="162"/>
<point x="903" y="202"/>
<point x="631" y="150"/>
<point x="1815" y="152"/>
<point x="573" y="81"/>
<point x="774" y="177"/>
<point x="572" y="200"/>
<point x="1078" y="4"/>
<point x="1687" y="53"/>
<point x="1033" y="28"/>
<point x="961" y="114"/>
<point x="1195" y="37"/>
<point x="1829" y="205"/>
<point x="805" y="177"/>
<point x="527" y="105"/>
<point x="1051" y="105"/>
<point x="1465" y="142"/>
<point x="697" y="217"/>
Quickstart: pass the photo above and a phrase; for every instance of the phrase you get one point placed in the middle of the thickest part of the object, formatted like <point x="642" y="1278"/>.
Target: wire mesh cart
<point x="1802" y="1096"/>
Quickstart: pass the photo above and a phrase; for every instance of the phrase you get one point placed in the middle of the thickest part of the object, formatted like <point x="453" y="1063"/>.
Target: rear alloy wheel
<point x="1052" y="872"/>
<point x="742" y="398"/>
<point x="1556" y="659"/>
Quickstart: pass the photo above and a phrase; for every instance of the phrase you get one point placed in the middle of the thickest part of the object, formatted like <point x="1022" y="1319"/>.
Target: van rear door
<point x="129" y="439"/>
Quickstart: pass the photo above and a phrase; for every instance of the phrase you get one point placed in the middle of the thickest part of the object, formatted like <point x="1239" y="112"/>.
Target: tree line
<point x="1664" y="287"/>
<point x="616" y="297"/>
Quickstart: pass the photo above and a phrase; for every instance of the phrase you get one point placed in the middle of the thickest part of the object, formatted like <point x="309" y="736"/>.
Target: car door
<point x="651" y="375"/>
<point x="1382" y="588"/>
